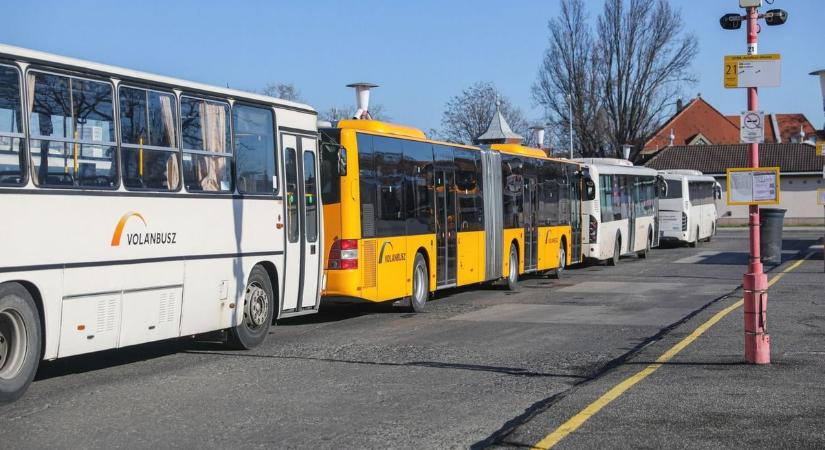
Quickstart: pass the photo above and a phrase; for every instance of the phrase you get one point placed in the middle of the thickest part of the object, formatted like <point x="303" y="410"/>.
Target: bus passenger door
<point x="445" y="227"/>
<point x="575" y="201"/>
<point x="302" y="261"/>
<point x="312" y="226"/>
<point x="530" y="223"/>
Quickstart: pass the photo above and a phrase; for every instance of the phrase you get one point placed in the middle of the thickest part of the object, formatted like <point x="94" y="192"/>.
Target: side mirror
<point x="342" y="161"/>
<point x="589" y="189"/>
<point x="661" y="186"/>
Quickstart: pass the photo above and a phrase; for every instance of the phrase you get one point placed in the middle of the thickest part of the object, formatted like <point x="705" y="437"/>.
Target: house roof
<point x="499" y="130"/>
<point x="714" y="159"/>
<point x="698" y="116"/>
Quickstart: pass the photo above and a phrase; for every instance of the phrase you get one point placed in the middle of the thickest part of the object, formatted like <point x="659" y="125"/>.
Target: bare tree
<point x="467" y="115"/>
<point x="567" y="75"/>
<point x="336" y="113"/>
<point x="620" y="83"/>
<point x="285" y="91"/>
<point x="644" y="59"/>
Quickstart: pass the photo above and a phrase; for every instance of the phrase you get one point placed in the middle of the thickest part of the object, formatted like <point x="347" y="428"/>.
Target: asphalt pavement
<point x="484" y="367"/>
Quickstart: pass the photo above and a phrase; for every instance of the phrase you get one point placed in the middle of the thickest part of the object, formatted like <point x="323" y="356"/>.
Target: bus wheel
<point x="420" y="285"/>
<point x="643" y="254"/>
<point x="562" y="261"/>
<point x="258" y="308"/>
<point x="712" y="232"/>
<point x="20" y="341"/>
<point x="617" y="252"/>
<point x="512" y="273"/>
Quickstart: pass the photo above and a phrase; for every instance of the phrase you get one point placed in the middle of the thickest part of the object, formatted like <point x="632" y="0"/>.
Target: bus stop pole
<point x="757" y="340"/>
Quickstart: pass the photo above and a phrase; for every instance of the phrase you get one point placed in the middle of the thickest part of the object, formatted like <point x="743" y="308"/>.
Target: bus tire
<point x="420" y="285"/>
<point x="562" y="263"/>
<point x="20" y="341"/>
<point x="512" y="272"/>
<point x="258" y="309"/>
<point x="617" y="251"/>
<point x="643" y="254"/>
<point x="712" y="232"/>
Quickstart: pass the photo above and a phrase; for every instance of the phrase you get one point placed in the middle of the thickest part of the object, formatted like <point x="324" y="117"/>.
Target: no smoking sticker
<point x="752" y="127"/>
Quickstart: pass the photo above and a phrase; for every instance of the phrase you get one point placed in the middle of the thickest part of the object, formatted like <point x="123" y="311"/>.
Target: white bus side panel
<point x="644" y="229"/>
<point x="168" y="266"/>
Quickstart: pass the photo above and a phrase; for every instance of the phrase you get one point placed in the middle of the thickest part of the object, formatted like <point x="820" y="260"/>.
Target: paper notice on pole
<point x="741" y="186"/>
<point x="753" y="186"/>
<point x="764" y="186"/>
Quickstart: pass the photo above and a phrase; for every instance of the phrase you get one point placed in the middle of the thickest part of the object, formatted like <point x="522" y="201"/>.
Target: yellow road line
<point x="579" y="419"/>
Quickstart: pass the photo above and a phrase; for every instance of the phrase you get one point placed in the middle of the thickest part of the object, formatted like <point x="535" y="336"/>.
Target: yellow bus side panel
<point x="332" y="231"/>
<point x="481" y="239"/>
<point x="470" y="257"/>
<point x="549" y="242"/>
<point x="511" y="235"/>
<point x="391" y="268"/>
<point x="344" y="283"/>
<point x="426" y="243"/>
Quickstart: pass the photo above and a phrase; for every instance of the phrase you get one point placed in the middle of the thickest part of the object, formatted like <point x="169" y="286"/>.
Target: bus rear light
<point x="684" y="221"/>
<point x="343" y="254"/>
<point x="593" y="229"/>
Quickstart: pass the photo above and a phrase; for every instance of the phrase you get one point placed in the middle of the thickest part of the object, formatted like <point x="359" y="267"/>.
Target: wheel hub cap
<point x="257" y="306"/>
<point x="12" y="343"/>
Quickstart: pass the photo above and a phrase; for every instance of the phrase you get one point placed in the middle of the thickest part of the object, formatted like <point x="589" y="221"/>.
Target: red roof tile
<point x="698" y="116"/>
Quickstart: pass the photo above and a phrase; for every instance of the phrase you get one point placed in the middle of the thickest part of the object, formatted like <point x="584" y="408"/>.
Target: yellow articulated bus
<point x="405" y="216"/>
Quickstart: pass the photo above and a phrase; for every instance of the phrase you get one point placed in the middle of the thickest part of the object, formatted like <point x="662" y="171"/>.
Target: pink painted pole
<point x="757" y="340"/>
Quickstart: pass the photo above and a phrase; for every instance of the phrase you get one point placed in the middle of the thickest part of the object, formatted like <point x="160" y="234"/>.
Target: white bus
<point x="687" y="213"/>
<point x="620" y="209"/>
<point x="137" y="208"/>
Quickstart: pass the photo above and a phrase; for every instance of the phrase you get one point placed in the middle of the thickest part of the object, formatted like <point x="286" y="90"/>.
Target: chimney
<point x="626" y="151"/>
<point x="671" y="138"/>
<point x="538" y="135"/>
<point x="362" y="98"/>
<point x="679" y="105"/>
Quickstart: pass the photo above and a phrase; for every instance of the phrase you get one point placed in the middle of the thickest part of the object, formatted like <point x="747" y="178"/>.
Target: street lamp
<point x="570" y="121"/>
<point x="755" y="282"/>
<point x="821" y="75"/>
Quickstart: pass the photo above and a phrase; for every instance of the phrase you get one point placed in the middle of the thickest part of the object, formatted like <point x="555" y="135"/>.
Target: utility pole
<point x="755" y="281"/>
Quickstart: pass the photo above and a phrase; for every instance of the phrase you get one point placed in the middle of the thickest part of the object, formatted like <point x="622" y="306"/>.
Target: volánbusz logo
<point x="146" y="238"/>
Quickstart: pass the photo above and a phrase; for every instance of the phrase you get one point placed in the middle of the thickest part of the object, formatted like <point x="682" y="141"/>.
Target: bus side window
<point x="11" y="128"/>
<point x="291" y="175"/>
<point x="207" y="153"/>
<point x="254" y="149"/>
<point x="148" y="119"/>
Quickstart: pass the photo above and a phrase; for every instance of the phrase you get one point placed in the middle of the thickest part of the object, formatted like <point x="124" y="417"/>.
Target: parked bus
<point x="406" y="216"/>
<point x="688" y="212"/>
<point x="139" y="207"/>
<point x="620" y="209"/>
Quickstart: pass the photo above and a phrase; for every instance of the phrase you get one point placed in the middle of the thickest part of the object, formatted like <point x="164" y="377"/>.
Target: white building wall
<point x="797" y="196"/>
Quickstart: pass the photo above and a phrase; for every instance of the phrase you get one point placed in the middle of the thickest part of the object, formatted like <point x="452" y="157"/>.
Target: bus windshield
<point x="674" y="189"/>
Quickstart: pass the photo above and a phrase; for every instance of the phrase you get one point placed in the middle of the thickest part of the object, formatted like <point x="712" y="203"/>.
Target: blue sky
<point x="421" y="52"/>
